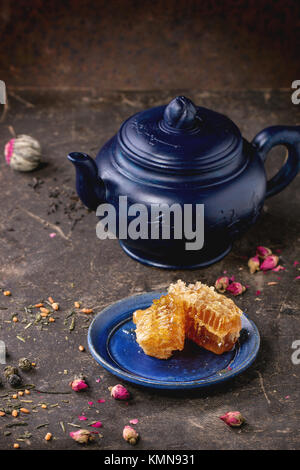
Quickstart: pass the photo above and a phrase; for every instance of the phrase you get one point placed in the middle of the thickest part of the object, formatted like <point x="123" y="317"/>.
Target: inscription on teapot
<point x="146" y="130"/>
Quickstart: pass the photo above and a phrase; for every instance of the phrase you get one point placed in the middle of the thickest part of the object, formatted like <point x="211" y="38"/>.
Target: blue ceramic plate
<point x="111" y="340"/>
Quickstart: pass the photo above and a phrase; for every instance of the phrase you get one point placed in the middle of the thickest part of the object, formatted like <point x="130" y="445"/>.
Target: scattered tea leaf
<point x="42" y="425"/>
<point x="21" y="339"/>
<point x="72" y="324"/>
<point x="17" y="423"/>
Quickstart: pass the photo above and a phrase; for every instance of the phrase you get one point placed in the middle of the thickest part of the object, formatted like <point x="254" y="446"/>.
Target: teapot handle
<point x="289" y="136"/>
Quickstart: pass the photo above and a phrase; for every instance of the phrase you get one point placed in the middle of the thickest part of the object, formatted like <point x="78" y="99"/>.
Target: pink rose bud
<point x="119" y="392"/>
<point x="269" y="263"/>
<point x="263" y="251"/>
<point x="253" y="264"/>
<point x="130" y="435"/>
<point x="233" y="418"/>
<point x="221" y="284"/>
<point x="83" y="436"/>
<point x="78" y="385"/>
<point x="236" y="288"/>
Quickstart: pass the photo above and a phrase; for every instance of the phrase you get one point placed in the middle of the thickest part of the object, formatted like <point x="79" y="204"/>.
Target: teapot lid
<point x="181" y="138"/>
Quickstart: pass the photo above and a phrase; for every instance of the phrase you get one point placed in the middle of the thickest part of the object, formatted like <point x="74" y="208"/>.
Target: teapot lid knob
<point x="180" y="113"/>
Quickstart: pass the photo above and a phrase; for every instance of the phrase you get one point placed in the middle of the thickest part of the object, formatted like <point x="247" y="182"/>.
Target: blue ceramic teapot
<point x="186" y="156"/>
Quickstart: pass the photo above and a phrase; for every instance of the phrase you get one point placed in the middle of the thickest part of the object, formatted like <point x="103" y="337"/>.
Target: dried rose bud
<point x="119" y="392"/>
<point x="221" y="284"/>
<point x="78" y="384"/>
<point x="269" y="263"/>
<point x="233" y="418"/>
<point x="236" y="288"/>
<point x="253" y="264"/>
<point x="263" y="251"/>
<point x="130" y="435"/>
<point x="83" y="436"/>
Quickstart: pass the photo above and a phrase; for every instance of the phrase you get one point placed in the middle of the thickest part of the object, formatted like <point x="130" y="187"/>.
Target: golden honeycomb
<point x="160" y="329"/>
<point x="195" y="312"/>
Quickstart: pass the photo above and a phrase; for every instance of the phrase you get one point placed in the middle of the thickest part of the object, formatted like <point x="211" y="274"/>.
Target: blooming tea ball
<point x="23" y="153"/>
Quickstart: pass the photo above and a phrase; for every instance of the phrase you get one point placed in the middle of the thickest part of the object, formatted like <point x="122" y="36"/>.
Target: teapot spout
<point x="89" y="185"/>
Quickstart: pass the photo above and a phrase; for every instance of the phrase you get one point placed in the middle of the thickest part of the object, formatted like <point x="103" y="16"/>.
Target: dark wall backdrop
<point x="150" y="44"/>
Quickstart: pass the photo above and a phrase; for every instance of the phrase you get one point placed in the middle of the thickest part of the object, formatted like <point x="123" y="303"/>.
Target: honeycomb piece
<point x="212" y="320"/>
<point x="196" y="312"/>
<point x="160" y="329"/>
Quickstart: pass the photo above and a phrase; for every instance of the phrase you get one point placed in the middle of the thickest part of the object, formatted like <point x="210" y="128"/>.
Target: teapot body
<point x="229" y="209"/>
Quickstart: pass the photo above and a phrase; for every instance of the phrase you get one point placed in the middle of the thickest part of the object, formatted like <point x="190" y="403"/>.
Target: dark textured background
<point x="74" y="71"/>
<point x="150" y="44"/>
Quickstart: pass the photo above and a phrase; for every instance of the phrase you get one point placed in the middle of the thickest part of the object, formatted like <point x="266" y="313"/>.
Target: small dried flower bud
<point x="2" y="413"/>
<point x="233" y="418"/>
<point x="48" y="436"/>
<point x="15" y="396"/>
<point x="83" y="436"/>
<point x="55" y="306"/>
<point x="81" y="348"/>
<point x="119" y="392"/>
<point x="14" y="380"/>
<point x="51" y="319"/>
<point x="263" y="251"/>
<point x="87" y="310"/>
<point x="15" y="319"/>
<point x="14" y="413"/>
<point x="44" y="310"/>
<point x="16" y="446"/>
<point x="236" y="288"/>
<point x="51" y="300"/>
<point x="222" y="283"/>
<point x="39" y="305"/>
<point x="10" y="370"/>
<point x="44" y="406"/>
<point x="25" y="410"/>
<point x="7" y="293"/>
<point x="25" y="364"/>
<point x="21" y="393"/>
<point x="77" y="304"/>
<point x="269" y="263"/>
<point x="253" y="264"/>
<point x="78" y="384"/>
<point x="130" y="435"/>
<point x="27" y="392"/>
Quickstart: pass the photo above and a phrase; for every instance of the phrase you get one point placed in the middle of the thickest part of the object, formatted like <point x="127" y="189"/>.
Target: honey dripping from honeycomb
<point x="195" y="312"/>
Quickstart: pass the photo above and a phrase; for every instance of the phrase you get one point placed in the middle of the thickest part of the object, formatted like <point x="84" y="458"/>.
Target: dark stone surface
<point x="75" y="265"/>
